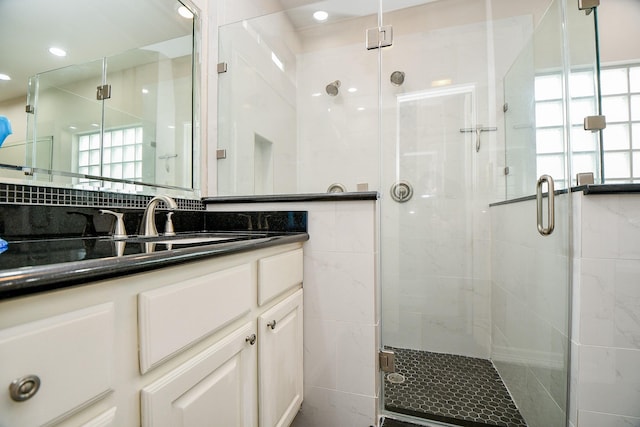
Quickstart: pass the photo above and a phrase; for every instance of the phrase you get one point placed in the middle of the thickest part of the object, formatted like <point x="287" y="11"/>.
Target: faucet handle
<point x="168" y="226"/>
<point x="249" y="223"/>
<point x="120" y="232"/>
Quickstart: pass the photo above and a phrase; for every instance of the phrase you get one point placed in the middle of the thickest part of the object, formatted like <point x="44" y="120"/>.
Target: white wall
<point x="606" y="305"/>
<point x="618" y="23"/>
<point x="257" y="101"/>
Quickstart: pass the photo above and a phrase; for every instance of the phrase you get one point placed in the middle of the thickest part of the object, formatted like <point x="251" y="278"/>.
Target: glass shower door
<point x="475" y="302"/>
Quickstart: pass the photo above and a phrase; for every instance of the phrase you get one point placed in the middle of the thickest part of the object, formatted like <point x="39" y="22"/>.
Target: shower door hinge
<point x="387" y="360"/>
<point x="221" y="154"/>
<point x="222" y="67"/>
<point x="103" y="92"/>
<point x="506" y="170"/>
<point x="595" y="123"/>
<point x="378" y="37"/>
<point x="588" y="5"/>
<point x="29" y="109"/>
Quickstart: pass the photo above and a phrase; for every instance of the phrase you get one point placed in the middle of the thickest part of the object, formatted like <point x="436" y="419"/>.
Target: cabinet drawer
<point x="174" y="317"/>
<point x="71" y="354"/>
<point x="278" y="273"/>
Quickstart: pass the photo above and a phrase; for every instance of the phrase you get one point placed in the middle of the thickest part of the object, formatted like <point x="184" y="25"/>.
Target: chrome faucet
<point x="148" y="224"/>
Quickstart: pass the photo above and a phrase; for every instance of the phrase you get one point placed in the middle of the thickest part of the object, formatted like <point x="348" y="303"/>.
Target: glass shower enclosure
<point x="475" y="271"/>
<point x="459" y="124"/>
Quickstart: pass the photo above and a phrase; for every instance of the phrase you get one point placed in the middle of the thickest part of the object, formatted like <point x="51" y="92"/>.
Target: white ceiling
<point x="92" y="29"/>
<point x="87" y="29"/>
<point x="300" y="12"/>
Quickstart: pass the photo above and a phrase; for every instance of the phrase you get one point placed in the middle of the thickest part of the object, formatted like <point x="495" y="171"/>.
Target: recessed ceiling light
<point x="57" y="51"/>
<point x="352" y="89"/>
<point x="4" y="77"/>
<point x="185" y="13"/>
<point x="316" y="94"/>
<point x="320" y="15"/>
<point x="145" y="91"/>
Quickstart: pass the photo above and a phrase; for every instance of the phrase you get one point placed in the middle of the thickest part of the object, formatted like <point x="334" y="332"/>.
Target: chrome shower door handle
<point x="545" y="231"/>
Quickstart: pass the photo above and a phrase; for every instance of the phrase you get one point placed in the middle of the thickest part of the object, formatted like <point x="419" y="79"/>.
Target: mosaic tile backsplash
<point x="31" y="212"/>
<point x="28" y="194"/>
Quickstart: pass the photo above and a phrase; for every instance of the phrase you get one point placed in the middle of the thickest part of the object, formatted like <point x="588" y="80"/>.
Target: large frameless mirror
<point x="102" y="98"/>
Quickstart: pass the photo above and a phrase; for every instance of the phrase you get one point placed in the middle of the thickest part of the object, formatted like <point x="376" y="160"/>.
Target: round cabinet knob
<point x="272" y="324"/>
<point x="251" y="339"/>
<point x="24" y="388"/>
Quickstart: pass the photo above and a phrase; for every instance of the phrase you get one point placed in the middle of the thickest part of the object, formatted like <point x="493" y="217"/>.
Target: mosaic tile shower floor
<point x="458" y="390"/>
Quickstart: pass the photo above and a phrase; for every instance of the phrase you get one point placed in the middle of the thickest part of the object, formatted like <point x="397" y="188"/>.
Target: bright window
<point x="121" y="156"/>
<point x="620" y="88"/>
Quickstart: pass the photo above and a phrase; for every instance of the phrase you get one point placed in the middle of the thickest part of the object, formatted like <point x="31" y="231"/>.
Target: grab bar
<point x="545" y="231"/>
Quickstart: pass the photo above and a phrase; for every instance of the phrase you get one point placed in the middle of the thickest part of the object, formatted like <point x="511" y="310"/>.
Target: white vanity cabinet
<point x="216" y="387"/>
<point x="186" y="345"/>
<point x="222" y="385"/>
<point x="52" y="367"/>
<point x="280" y="362"/>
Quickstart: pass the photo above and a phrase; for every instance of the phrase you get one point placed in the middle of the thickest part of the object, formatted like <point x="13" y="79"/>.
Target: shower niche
<point x="262" y="165"/>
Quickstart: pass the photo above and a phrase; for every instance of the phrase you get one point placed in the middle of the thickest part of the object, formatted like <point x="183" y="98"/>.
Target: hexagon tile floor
<point x="458" y="390"/>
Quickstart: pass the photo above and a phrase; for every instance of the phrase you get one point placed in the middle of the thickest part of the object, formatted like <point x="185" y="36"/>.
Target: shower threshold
<point x="457" y="390"/>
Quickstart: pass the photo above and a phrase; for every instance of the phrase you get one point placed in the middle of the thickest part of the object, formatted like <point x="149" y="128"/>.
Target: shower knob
<point x="397" y="78"/>
<point x="401" y="191"/>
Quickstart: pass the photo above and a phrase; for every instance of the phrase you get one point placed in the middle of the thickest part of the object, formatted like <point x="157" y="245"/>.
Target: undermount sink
<point x="192" y="240"/>
<point x="188" y="238"/>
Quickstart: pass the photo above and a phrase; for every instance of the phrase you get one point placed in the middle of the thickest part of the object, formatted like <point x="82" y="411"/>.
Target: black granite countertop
<point x="587" y="190"/>
<point x="286" y="198"/>
<point x="609" y="189"/>
<point x="37" y="263"/>
<point x="101" y="262"/>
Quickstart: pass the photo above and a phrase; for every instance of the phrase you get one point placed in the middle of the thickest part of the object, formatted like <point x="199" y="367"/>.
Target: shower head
<point x="332" y="88"/>
<point x="397" y="78"/>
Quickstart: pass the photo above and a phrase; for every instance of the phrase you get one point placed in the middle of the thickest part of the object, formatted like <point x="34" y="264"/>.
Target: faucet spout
<point x="148" y="224"/>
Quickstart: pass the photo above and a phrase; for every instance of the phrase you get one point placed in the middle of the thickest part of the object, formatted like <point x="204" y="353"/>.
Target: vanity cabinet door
<point x="54" y="367"/>
<point x="280" y="362"/>
<point x="215" y="388"/>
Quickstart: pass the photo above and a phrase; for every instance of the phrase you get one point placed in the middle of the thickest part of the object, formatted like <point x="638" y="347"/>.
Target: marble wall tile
<point x="609" y="381"/>
<point x="611" y="226"/>
<point x="356" y="359"/>
<point x="539" y="409"/>
<point x="610" y="303"/>
<point x="629" y="226"/>
<point x="530" y="276"/>
<point x="402" y="329"/>
<point x="597" y="419"/>
<point x="320" y="352"/>
<point x="341" y="320"/>
<point x="573" y="386"/>
<point x="324" y="407"/>
<point x="356" y="227"/>
<point x="339" y="286"/>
